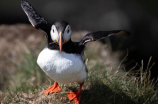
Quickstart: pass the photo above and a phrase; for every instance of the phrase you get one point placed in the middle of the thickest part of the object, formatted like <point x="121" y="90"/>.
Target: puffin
<point x="62" y="59"/>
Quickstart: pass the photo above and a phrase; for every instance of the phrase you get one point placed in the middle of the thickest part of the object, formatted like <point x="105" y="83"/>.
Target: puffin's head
<point x="60" y="33"/>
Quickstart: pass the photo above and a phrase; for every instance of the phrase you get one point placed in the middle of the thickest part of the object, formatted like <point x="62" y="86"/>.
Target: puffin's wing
<point x="101" y="34"/>
<point x="36" y="20"/>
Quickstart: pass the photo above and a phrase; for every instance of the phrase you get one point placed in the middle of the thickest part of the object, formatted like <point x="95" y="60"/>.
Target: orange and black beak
<point x="60" y="41"/>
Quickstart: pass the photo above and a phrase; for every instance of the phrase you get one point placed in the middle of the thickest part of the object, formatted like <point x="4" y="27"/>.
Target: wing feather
<point x="36" y="20"/>
<point x="101" y="34"/>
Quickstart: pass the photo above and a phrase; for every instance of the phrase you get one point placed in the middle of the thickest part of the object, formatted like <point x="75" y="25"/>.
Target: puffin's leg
<point x="54" y="88"/>
<point x="75" y="96"/>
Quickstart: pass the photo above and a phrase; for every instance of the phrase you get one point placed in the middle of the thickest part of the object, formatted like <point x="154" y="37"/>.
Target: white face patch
<point x="54" y="33"/>
<point x="67" y="33"/>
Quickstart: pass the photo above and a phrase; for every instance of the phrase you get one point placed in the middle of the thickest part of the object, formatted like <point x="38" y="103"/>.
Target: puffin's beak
<point x="60" y="41"/>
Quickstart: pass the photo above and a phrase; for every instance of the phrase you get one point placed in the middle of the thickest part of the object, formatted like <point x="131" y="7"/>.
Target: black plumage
<point x="36" y="20"/>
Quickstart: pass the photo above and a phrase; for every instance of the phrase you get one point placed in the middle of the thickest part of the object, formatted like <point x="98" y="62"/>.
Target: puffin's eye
<point x="68" y="31"/>
<point x="53" y="30"/>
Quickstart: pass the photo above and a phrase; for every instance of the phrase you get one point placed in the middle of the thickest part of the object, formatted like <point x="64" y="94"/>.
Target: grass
<point x="101" y="87"/>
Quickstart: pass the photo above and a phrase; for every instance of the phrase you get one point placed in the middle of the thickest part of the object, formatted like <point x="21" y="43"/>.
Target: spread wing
<point x="96" y="36"/>
<point x="101" y="34"/>
<point x="36" y="20"/>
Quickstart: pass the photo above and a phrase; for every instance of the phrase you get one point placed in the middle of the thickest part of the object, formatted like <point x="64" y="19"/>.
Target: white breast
<point x="62" y="67"/>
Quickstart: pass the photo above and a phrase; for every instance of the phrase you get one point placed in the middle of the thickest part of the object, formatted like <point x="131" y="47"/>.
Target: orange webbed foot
<point x="75" y="96"/>
<point x="54" y="88"/>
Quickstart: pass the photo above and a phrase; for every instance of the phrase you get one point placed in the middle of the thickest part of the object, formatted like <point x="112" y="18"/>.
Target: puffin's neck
<point x="68" y="47"/>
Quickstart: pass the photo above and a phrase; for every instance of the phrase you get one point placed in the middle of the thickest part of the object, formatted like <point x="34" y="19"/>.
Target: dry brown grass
<point x="22" y="81"/>
<point x="17" y="39"/>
